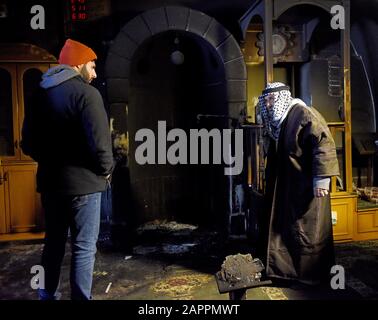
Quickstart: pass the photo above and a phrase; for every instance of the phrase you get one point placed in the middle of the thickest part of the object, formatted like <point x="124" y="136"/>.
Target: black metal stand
<point x="238" y="294"/>
<point x="238" y="291"/>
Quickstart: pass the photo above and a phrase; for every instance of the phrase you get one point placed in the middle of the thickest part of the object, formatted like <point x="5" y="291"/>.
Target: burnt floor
<point x="181" y="268"/>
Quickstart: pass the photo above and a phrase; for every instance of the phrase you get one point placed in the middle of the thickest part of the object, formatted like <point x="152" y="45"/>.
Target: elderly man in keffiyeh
<point x="296" y="230"/>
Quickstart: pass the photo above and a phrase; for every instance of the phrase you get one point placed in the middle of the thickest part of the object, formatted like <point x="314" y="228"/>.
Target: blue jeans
<point x="106" y="216"/>
<point x="80" y="215"/>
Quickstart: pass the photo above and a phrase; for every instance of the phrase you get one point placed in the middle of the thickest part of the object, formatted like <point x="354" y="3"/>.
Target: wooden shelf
<point x="22" y="236"/>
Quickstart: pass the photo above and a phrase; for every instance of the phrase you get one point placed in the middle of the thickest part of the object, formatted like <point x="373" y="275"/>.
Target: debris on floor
<point x="166" y="248"/>
<point x="241" y="268"/>
<point x="108" y="287"/>
<point x="145" y="250"/>
<point x="181" y="276"/>
<point x="166" y="226"/>
<point x="178" y="248"/>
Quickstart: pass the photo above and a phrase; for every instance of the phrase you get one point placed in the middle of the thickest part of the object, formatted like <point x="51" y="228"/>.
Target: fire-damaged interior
<point x="191" y="75"/>
<point x="194" y="68"/>
<point x="175" y="224"/>
<point x="190" y="88"/>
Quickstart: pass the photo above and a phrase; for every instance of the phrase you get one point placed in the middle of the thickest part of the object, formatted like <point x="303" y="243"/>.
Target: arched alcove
<point x="144" y="86"/>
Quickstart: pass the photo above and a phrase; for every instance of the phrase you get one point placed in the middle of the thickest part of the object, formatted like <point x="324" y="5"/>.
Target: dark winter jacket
<point x="66" y="131"/>
<point x="297" y="224"/>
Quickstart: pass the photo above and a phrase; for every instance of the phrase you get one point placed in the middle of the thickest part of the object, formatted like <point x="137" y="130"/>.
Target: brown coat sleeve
<point x="317" y="134"/>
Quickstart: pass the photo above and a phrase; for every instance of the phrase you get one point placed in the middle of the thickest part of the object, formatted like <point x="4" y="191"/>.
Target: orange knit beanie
<point x="75" y="53"/>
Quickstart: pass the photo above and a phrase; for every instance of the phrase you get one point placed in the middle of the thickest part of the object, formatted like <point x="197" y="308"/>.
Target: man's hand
<point x="319" y="192"/>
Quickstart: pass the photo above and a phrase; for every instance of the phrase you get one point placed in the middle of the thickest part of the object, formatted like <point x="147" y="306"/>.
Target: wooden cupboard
<point x="23" y="211"/>
<point x="21" y="68"/>
<point x="343" y="221"/>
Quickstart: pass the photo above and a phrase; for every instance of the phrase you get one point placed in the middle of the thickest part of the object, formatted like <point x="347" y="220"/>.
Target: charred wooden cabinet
<point x="20" y="205"/>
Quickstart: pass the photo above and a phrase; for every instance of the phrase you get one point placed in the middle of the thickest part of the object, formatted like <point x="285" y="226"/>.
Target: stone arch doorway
<point x="144" y="85"/>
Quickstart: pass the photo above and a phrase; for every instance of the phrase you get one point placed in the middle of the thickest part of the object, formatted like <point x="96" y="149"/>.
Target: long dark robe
<point x="298" y="225"/>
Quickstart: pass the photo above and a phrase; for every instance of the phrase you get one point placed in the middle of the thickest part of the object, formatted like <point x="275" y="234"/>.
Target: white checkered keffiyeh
<point x="273" y="117"/>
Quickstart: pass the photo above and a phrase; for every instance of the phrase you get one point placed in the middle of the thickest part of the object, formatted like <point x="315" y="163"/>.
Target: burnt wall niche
<point x="147" y="81"/>
<point x="163" y="89"/>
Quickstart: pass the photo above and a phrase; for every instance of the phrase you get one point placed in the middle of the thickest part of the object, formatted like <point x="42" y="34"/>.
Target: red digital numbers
<point x="78" y="10"/>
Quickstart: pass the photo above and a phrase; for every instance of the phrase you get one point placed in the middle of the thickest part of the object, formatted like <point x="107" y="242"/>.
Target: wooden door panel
<point x="24" y="209"/>
<point x="3" y="217"/>
<point x="342" y="218"/>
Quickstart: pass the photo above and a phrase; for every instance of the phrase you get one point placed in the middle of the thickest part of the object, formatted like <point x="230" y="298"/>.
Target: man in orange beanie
<point x="67" y="133"/>
<point x="79" y="57"/>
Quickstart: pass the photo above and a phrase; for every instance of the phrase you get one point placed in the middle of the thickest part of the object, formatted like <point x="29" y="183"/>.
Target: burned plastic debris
<point x="171" y="238"/>
<point x="164" y="226"/>
<point x="166" y="248"/>
<point x="162" y="237"/>
<point x="241" y="268"/>
<point x="239" y="273"/>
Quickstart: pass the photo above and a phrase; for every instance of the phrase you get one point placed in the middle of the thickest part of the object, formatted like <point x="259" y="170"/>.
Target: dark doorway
<point x="175" y="76"/>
